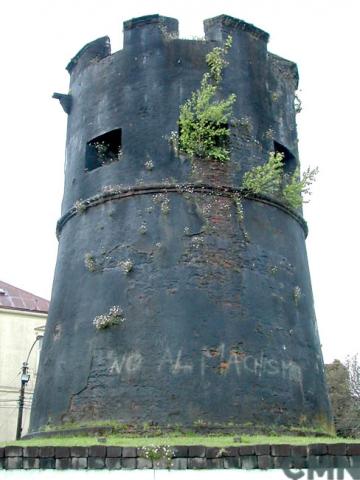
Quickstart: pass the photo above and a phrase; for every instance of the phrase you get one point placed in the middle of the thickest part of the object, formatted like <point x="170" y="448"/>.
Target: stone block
<point x="30" y="463"/>
<point x="2" y="452"/>
<point x="341" y="461"/>
<point x="337" y="449"/>
<point x="63" y="463"/>
<point x="31" y="452"/>
<point x="354" y="461"/>
<point x="162" y="463"/>
<point x="262" y="449"/>
<point x="313" y="461"/>
<point x="247" y="450"/>
<point x="79" y="463"/>
<point x="212" y="452"/>
<point x="129" y="452"/>
<point x="46" y="452"/>
<point x="299" y="462"/>
<point x="113" y="463"/>
<point x="282" y="462"/>
<point x="321" y="461"/>
<point x="181" y="451"/>
<point x="299" y="451"/>
<point x="62" y="452"/>
<point x="96" y="463"/>
<point x="179" y="463"/>
<point x="13" y="451"/>
<point x="197" y="462"/>
<point x="143" y="463"/>
<point x="214" y="463"/>
<point x="283" y="450"/>
<point x="197" y="451"/>
<point x="128" y="462"/>
<point x="230" y="452"/>
<point x="13" y="463"/>
<point x="113" y="452"/>
<point x="47" y="463"/>
<point x="97" y="451"/>
<point x="248" y="462"/>
<point x="79" y="452"/>
<point x="265" y="462"/>
<point x="353" y="449"/>
<point x="327" y="461"/>
<point x="232" y="462"/>
<point x="316" y="449"/>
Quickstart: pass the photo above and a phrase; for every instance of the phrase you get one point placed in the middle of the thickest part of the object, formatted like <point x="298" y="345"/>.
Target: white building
<point x="22" y="322"/>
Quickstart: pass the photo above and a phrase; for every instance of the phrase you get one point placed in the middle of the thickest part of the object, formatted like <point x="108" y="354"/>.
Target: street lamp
<point x="25" y="377"/>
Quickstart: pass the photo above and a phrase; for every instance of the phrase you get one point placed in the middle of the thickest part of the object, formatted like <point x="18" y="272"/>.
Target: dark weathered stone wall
<point x="220" y="325"/>
<point x="316" y="457"/>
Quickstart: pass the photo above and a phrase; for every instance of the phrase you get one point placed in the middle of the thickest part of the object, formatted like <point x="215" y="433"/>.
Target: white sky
<point x="39" y="37"/>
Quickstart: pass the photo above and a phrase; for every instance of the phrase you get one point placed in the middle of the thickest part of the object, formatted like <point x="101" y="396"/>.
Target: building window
<point x="290" y="162"/>
<point x="103" y="150"/>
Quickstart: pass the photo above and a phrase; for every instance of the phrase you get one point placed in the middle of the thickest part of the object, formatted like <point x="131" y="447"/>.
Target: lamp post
<point x="25" y="377"/>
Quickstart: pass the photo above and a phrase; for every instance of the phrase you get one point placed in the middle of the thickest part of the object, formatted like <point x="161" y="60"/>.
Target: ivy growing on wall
<point x="203" y="120"/>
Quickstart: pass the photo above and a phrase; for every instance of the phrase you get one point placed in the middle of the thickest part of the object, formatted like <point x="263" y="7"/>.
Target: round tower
<point x="209" y="311"/>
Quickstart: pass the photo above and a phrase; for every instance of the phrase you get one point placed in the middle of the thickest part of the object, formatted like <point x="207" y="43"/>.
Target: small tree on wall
<point x="203" y="120"/>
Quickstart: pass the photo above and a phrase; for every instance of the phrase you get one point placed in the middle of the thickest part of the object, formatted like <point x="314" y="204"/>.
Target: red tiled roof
<point x="14" y="298"/>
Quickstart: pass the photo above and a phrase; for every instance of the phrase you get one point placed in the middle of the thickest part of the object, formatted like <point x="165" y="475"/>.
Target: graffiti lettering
<point x="212" y="360"/>
<point x="259" y="365"/>
<point x="175" y="366"/>
<point x="130" y="362"/>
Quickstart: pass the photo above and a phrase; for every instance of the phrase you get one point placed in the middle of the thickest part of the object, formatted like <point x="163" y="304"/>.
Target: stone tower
<point x="216" y="323"/>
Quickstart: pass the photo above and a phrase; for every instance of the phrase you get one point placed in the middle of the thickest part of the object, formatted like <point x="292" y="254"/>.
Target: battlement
<point x="140" y="22"/>
<point x="152" y="31"/>
<point x="95" y="50"/>
<point x="148" y="31"/>
<point x="217" y="28"/>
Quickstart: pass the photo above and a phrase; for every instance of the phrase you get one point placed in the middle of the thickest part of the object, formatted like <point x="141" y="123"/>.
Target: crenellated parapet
<point x="137" y="92"/>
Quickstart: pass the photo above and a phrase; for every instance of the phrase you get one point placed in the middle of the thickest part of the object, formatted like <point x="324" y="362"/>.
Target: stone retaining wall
<point x="184" y="457"/>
